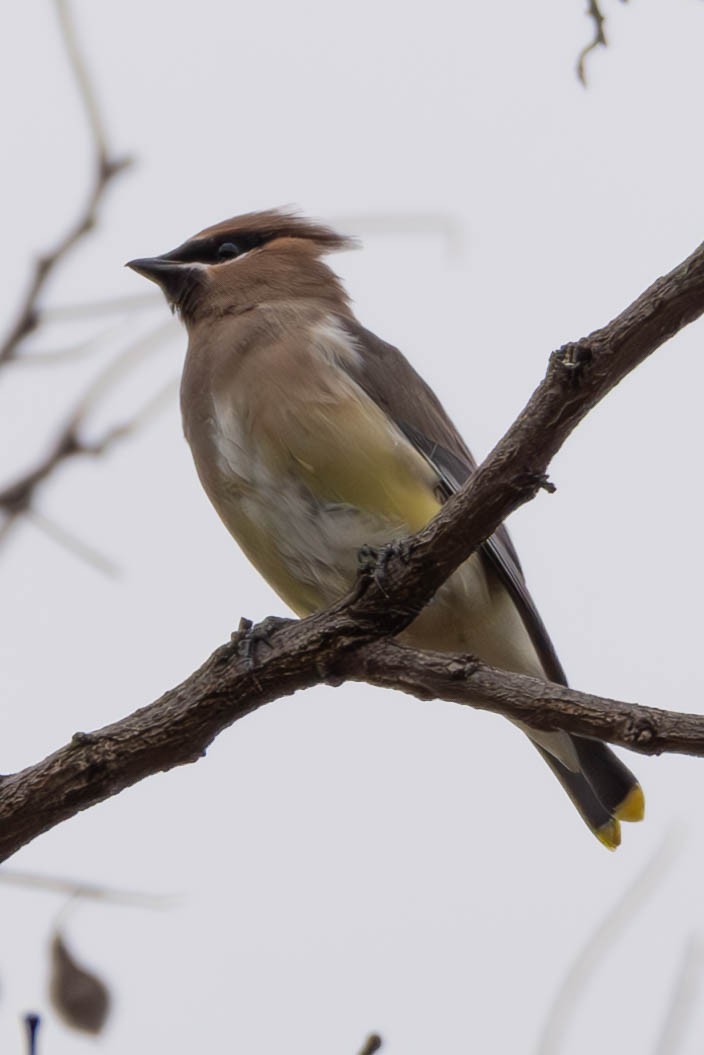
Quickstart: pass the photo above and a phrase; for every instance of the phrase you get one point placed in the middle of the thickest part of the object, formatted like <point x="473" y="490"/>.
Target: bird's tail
<point x="603" y="789"/>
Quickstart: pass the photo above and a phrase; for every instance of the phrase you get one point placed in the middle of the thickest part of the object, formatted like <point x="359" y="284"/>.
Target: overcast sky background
<point x="353" y="859"/>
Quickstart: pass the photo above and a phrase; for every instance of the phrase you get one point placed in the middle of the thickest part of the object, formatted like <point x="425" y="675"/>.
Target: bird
<point x="313" y="438"/>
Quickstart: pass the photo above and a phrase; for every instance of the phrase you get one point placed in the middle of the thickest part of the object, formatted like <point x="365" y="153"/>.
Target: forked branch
<point x="106" y="166"/>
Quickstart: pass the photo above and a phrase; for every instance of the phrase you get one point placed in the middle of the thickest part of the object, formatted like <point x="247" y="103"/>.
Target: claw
<point x="249" y="636"/>
<point x="373" y="560"/>
<point x="367" y="558"/>
<point x="574" y="359"/>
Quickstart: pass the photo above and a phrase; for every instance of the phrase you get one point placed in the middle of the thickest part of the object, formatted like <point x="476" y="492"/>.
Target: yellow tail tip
<point x="633" y="806"/>
<point x="609" y="834"/>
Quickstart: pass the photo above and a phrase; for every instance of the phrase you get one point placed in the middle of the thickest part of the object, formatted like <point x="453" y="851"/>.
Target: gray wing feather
<point x="389" y="379"/>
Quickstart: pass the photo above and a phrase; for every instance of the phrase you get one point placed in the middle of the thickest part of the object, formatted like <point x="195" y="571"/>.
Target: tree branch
<point x="598" y="40"/>
<point x="345" y="640"/>
<point x="542" y="705"/>
<point x="106" y="168"/>
<point x="18" y="497"/>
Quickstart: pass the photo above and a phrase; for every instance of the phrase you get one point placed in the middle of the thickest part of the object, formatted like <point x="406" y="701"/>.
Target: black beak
<point x="178" y="280"/>
<point x="154" y="267"/>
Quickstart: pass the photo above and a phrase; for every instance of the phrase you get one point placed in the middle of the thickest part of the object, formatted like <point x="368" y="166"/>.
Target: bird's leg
<point x="249" y="635"/>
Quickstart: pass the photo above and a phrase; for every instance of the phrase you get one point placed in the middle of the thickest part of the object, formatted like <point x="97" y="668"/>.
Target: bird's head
<point x="245" y="261"/>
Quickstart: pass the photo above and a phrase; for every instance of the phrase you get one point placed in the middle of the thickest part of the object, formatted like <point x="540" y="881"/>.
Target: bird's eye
<point x="228" y="251"/>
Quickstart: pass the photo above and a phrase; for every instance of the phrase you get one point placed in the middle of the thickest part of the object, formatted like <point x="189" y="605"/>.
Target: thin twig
<point x="598" y="40"/>
<point x="684" y="999"/>
<point x="600" y="943"/>
<point x="89" y="891"/>
<point x="72" y="544"/>
<point x="106" y="168"/>
<point x="19" y="496"/>
<point x="108" y="378"/>
<point x="71" y="353"/>
<point x="85" y="85"/>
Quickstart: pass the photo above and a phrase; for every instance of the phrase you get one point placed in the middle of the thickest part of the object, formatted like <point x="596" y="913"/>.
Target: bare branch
<point x="106" y="166"/>
<point x="598" y="40"/>
<point x="542" y="705"/>
<point x="85" y="87"/>
<point x="346" y="639"/>
<point x="130" y="357"/>
<point x="71" y="353"/>
<point x="19" y="496"/>
<point x="72" y="544"/>
<point x="179" y="727"/>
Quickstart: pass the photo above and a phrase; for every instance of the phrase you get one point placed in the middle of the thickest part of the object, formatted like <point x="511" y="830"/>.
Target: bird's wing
<point x="389" y="379"/>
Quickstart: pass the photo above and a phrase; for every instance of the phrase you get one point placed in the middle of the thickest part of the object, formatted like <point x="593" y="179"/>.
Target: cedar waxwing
<point x="313" y="438"/>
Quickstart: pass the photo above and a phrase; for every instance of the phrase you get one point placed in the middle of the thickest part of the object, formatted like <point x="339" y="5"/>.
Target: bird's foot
<point x="373" y="561"/>
<point x="574" y="358"/>
<point x="250" y="635"/>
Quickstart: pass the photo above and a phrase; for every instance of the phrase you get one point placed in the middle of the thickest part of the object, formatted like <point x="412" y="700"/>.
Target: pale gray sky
<point x="354" y="860"/>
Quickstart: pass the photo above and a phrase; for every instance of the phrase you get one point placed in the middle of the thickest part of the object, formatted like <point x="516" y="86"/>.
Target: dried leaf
<point x="81" y="999"/>
<point x="371" y="1044"/>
